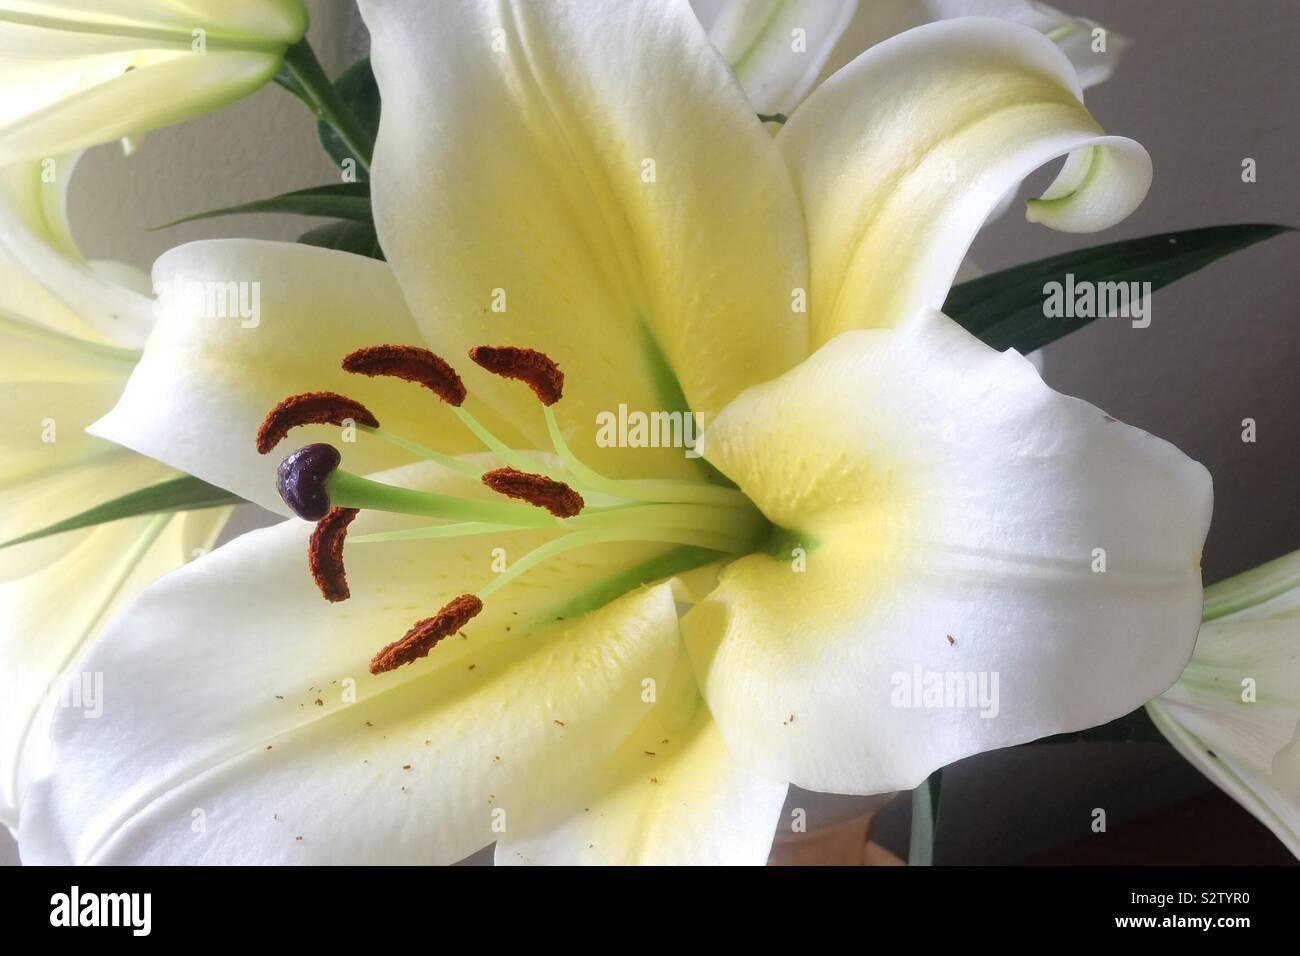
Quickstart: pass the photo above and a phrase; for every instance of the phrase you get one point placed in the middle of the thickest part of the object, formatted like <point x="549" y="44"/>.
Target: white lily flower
<point x="77" y="73"/>
<point x="779" y="48"/>
<point x="67" y="336"/>
<point x="1234" y="712"/>
<point x="905" y="499"/>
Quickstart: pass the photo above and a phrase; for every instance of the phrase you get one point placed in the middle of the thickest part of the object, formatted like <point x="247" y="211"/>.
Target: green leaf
<point x="356" y="237"/>
<point x="1133" y="728"/>
<point x="349" y="201"/>
<point x="925" y="820"/>
<point x="179" y="494"/>
<point x="358" y="90"/>
<point x="1006" y="309"/>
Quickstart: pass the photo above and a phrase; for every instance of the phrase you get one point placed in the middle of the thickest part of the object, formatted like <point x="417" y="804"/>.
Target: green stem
<point x="316" y="90"/>
<point x="925" y="820"/>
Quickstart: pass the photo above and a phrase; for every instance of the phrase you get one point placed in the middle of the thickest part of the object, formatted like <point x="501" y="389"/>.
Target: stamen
<point x="310" y="408"/>
<point x="533" y="368"/>
<point x="555" y="496"/>
<point x="425" y="635"/>
<point x="409" y="363"/>
<point x="325" y="553"/>
<point x="301" y="479"/>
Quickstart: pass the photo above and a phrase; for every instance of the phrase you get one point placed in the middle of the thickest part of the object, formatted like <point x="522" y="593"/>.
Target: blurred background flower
<point x="77" y="73"/>
<point x="1234" y="711"/>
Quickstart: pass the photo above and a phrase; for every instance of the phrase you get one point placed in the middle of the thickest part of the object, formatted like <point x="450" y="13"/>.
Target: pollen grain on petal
<point x="425" y="634"/>
<point x="555" y="496"/>
<point x="409" y="363"/>
<point x="535" y="369"/>
<point x="325" y="554"/>
<point x="310" y="408"/>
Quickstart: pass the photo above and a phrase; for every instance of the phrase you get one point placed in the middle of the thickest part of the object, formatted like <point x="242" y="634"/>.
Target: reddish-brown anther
<point x="425" y="635"/>
<point x="529" y="366"/>
<point x="555" y="496"/>
<point x="310" y="408"/>
<point x="325" y="553"/>
<point x="409" y="363"/>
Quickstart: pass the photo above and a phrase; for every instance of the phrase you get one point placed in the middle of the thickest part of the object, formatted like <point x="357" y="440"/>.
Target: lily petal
<point x="62" y="322"/>
<point x="1225" y="744"/>
<point x="1076" y="36"/>
<point x="779" y="68"/>
<point x="901" y="156"/>
<point x="1094" y="51"/>
<point x="950" y="508"/>
<point x="77" y="74"/>
<point x="777" y="48"/>
<point x="61" y="372"/>
<point x="1234" y="713"/>
<point x="43" y="272"/>
<point x="208" y="377"/>
<point x="246" y="724"/>
<point x="1268" y="592"/>
<point x="49" y="617"/>
<point x="672" y="795"/>
<point x="593" y="170"/>
<point x="77" y="473"/>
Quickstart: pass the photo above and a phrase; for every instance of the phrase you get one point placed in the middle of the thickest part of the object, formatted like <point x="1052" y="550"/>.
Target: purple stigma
<point x="301" y="479"/>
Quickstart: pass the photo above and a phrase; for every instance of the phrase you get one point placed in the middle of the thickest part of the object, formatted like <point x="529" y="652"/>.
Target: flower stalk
<point x="312" y="86"/>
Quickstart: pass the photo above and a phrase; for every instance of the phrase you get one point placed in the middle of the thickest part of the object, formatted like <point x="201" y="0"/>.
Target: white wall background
<point x="261" y="146"/>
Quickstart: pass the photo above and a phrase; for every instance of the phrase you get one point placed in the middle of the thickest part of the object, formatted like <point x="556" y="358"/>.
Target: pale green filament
<point x="447" y="461"/>
<point x="347" y="490"/>
<point x="581" y="539"/>
<point x="460" y="529"/>
<point x="717" y="529"/>
<point x="507" y="454"/>
<point x="729" y="522"/>
<point x="653" y="489"/>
